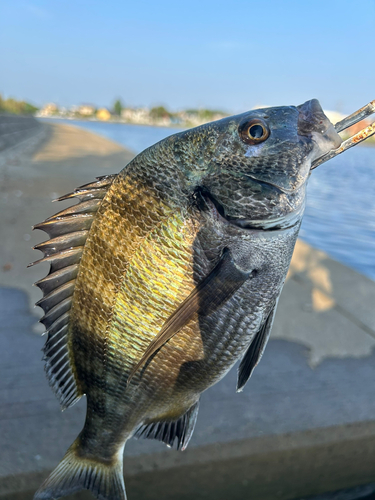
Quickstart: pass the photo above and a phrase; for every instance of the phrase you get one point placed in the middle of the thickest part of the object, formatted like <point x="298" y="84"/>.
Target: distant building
<point x="136" y="115"/>
<point x="197" y="117"/>
<point x="103" y="114"/>
<point x="48" y="110"/>
<point x="86" y="110"/>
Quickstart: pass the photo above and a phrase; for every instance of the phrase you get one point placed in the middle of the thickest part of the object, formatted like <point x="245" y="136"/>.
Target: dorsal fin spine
<point x="60" y="243"/>
<point x="54" y="313"/>
<point x="85" y="207"/>
<point x="67" y="224"/>
<point x="57" y="278"/>
<point x="85" y="195"/>
<point x="56" y="296"/>
<point x="62" y="259"/>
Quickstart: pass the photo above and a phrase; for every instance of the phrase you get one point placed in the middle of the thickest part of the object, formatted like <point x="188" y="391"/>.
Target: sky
<point x="221" y="55"/>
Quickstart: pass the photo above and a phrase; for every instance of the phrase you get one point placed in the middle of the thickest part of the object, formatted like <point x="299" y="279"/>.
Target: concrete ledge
<point x="270" y="467"/>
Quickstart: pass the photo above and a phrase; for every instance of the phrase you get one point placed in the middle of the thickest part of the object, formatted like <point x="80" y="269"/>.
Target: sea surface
<point x="340" y="211"/>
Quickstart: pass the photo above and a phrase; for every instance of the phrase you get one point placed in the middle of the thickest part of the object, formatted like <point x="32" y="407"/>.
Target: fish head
<point x="260" y="162"/>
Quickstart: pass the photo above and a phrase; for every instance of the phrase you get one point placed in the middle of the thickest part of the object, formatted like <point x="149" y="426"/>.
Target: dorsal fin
<point x="68" y="231"/>
<point x="180" y="430"/>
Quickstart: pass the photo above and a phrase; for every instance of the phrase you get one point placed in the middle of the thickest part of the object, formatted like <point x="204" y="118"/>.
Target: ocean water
<point x="340" y="211"/>
<point x="134" y="137"/>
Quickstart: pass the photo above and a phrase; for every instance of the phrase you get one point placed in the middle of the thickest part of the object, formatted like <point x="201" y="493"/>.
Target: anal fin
<point x="167" y="432"/>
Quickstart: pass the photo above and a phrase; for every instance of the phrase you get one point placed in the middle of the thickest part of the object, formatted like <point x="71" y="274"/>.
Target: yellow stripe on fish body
<point x="163" y="266"/>
<point x="136" y="268"/>
<point x="116" y="233"/>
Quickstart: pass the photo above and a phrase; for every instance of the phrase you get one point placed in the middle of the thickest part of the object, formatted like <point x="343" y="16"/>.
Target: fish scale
<point x="166" y="275"/>
<point x="174" y="279"/>
<point x="104" y="261"/>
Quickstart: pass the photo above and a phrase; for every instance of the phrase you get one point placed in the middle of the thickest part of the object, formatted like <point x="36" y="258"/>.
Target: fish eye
<point x="254" y="131"/>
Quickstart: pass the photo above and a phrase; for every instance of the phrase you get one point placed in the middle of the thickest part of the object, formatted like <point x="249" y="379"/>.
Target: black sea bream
<point x="166" y="274"/>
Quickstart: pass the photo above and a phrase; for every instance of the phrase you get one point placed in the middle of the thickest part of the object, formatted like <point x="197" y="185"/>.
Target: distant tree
<point x="118" y="107"/>
<point x="13" y="106"/>
<point x="159" y="112"/>
<point x="29" y="109"/>
<point x="204" y="114"/>
<point x="191" y="111"/>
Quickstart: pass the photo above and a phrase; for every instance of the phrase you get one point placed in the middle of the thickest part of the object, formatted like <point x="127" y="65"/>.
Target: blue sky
<point x="226" y="55"/>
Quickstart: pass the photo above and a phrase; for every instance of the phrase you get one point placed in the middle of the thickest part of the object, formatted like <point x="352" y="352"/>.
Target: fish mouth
<point x="206" y="202"/>
<point x="311" y="119"/>
<point x="312" y="122"/>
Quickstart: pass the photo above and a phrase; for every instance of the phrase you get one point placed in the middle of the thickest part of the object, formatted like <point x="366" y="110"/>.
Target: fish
<point x="166" y="274"/>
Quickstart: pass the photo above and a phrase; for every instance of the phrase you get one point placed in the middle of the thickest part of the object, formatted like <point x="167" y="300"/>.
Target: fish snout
<point x="312" y="119"/>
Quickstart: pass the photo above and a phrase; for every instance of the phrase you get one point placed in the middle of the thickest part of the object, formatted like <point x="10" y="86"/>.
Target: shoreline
<point x="179" y="126"/>
<point x="369" y="142"/>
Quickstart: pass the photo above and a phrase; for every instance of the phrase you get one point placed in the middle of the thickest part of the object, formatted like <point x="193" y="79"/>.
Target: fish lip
<point x="311" y="118"/>
<point x="312" y="122"/>
<point x="218" y="212"/>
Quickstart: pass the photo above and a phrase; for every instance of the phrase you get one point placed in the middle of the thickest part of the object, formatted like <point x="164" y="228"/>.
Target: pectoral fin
<point x="223" y="281"/>
<point x="255" y="351"/>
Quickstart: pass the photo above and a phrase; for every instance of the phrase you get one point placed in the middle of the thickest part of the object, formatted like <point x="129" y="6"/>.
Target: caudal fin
<point x="75" y="473"/>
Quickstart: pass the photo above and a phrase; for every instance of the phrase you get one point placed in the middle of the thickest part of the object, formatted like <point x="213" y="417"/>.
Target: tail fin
<point x="75" y="473"/>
